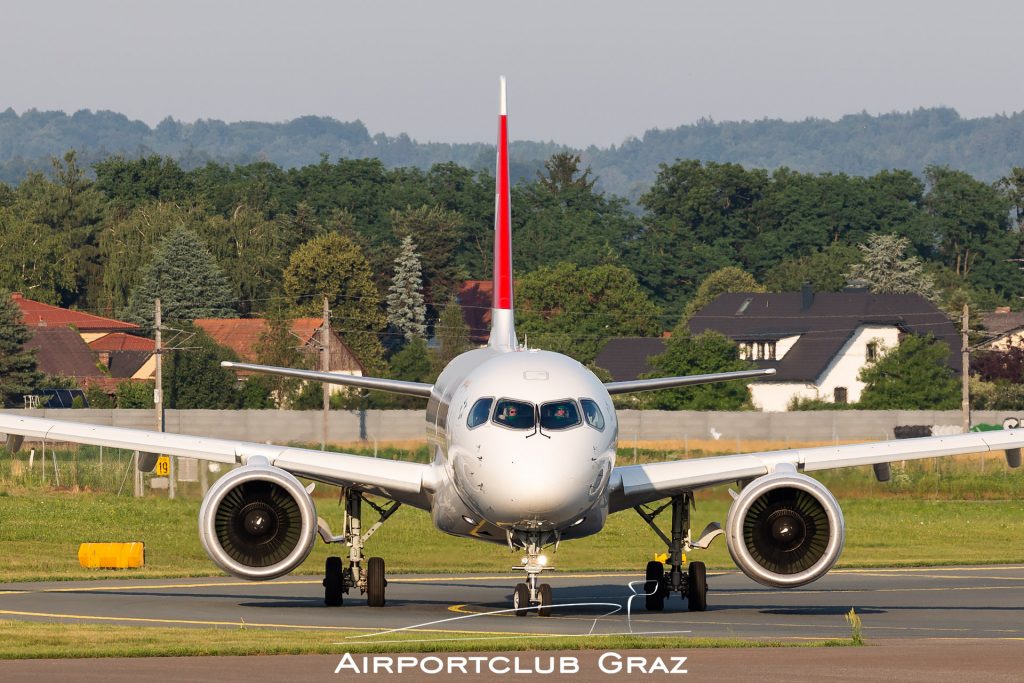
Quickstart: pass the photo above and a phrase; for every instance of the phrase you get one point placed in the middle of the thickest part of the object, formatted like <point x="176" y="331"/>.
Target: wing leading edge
<point x="394" y="386"/>
<point x="403" y="481"/>
<point x="629" y="386"/>
<point x="636" y="484"/>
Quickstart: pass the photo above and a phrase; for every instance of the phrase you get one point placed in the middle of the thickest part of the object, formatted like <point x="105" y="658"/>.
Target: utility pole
<point x="325" y="365"/>
<point x="158" y="392"/>
<point x="965" y="388"/>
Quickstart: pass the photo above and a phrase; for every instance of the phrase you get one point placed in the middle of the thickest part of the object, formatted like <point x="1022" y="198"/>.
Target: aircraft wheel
<point x="375" y="582"/>
<point x="697" y="587"/>
<point x="334" y="582"/>
<point x="521" y="599"/>
<point x="546" y="600"/>
<point x="653" y="587"/>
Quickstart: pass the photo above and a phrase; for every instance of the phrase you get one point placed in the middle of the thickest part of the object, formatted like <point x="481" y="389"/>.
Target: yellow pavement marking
<point x="12" y="592"/>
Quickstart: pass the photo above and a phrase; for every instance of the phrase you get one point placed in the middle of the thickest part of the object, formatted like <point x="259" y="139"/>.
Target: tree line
<point x="857" y="144"/>
<point x="224" y="240"/>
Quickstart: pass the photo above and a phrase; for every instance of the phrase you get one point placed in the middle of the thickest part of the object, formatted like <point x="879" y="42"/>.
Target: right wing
<point x="408" y="482"/>
<point x="629" y="386"/>
<point x="394" y="386"/>
<point x="637" y="484"/>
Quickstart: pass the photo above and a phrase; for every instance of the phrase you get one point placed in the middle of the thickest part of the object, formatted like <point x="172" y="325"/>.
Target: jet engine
<point x="785" y="530"/>
<point x="257" y="522"/>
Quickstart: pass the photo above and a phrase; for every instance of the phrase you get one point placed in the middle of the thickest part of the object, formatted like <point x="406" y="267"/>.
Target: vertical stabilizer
<point x="503" y="329"/>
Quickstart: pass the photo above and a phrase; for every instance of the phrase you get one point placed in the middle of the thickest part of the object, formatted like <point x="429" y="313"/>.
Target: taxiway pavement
<point x="934" y="602"/>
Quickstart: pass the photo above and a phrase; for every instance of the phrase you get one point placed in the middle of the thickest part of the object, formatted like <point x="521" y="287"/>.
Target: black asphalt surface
<point x="937" y="602"/>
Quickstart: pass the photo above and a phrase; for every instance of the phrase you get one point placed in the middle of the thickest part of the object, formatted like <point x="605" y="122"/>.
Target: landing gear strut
<point x="532" y="592"/>
<point x="690" y="584"/>
<point x="337" y="579"/>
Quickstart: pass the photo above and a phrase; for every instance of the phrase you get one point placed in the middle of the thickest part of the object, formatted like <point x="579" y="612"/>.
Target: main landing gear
<point x="691" y="584"/>
<point x="532" y="592"/>
<point x="337" y="579"/>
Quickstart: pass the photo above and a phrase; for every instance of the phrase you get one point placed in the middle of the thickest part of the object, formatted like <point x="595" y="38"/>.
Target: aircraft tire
<point x="654" y="587"/>
<point x="546" y="600"/>
<point x="520" y="599"/>
<point x="375" y="582"/>
<point x="697" y="587"/>
<point x="334" y="582"/>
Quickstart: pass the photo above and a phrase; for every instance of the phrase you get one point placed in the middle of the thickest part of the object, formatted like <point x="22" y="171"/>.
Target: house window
<point x="839" y="394"/>
<point x="759" y="350"/>
<point x="872" y="352"/>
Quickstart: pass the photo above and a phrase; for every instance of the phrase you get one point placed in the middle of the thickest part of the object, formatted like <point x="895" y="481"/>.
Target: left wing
<point x="407" y="482"/>
<point x="394" y="386"/>
<point x="637" y="484"/>
<point x="629" y="386"/>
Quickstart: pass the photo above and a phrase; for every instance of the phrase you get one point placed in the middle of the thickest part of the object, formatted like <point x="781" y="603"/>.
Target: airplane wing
<point x="394" y="386"/>
<point x="402" y="481"/>
<point x="637" y="484"/>
<point x="630" y="386"/>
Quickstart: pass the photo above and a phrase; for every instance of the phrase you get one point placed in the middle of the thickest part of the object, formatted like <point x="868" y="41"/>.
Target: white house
<point x="817" y="342"/>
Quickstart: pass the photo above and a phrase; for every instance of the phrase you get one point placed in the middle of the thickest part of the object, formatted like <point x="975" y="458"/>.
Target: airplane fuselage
<point x="524" y="441"/>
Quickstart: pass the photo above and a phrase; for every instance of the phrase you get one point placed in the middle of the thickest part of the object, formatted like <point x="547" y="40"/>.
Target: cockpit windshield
<point x="559" y="415"/>
<point x="514" y="414"/>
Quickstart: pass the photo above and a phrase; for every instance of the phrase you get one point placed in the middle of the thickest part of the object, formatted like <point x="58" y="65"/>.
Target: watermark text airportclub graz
<point x="607" y="663"/>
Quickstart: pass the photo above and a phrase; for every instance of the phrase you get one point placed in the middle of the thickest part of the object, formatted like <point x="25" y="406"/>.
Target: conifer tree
<point x="407" y="311"/>
<point x="18" y="374"/>
<point x="452" y="332"/>
<point x="187" y="279"/>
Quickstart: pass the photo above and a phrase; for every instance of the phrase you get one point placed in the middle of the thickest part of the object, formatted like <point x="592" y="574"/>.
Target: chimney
<point x="1002" y="309"/>
<point x="17" y="296"/>
<point x="806" y="296"/>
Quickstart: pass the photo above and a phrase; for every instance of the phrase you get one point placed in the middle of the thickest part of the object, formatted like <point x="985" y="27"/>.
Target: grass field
<point x="962" y="510"/>
<point x="29" y="640"/>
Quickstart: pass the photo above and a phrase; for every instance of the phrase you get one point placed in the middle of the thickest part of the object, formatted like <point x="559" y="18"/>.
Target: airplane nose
<point x="542" y="488"/>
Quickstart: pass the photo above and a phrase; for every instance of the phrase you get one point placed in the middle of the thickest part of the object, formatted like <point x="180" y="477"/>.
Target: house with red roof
<point x="242" y="335"/>
<point x="92" y="349"/>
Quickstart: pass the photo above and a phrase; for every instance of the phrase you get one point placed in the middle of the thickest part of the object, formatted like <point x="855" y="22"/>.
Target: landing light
<point x="542" y="560"/>
<point x="469" y="520"/>
<point x="578" y="522"/>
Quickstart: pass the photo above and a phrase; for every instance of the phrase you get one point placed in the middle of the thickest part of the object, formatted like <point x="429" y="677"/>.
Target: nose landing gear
<point x="691" y="583"/>
<point x="337" y="579"/>
<point x="532" y="592"/>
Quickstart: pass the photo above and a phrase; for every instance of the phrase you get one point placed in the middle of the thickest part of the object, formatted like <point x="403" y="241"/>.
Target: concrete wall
<point x="305" y="426"/>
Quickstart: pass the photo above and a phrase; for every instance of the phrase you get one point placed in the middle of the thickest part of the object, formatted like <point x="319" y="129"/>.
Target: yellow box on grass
<point x="111" y="555"/>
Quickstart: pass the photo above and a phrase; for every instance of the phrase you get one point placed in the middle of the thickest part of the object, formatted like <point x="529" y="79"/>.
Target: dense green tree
<point x="98" y="397"/>
<point x="452" y="334"/>
<point x="333" y="266"/>
<point x="18" y="374"/>
<point x="913" y="376"/>
<point x="186" y="278"/>
<point x="688" y="355"/>
<point x="562" y="173"/>
<point x="276" y="346"/>
<point x="576" y="310"/>
<point x="128" y="240"/>
<point x="887" y="269"/>
<point x="194" y="377"/>
<point x="436" y="232"/>
<point x="131" y="394"/>
<point x="825" y="270"/>
<point x="969" y="220"/>
<point x="730" y="279"/>
<point x="407" y="312"/>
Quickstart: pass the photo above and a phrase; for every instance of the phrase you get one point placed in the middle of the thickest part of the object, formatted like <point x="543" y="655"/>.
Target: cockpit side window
<point x="513" y="414"/>
<point x="559" y="415"/>
<point x="479" y="412"/>
<point x="592" y="413"/>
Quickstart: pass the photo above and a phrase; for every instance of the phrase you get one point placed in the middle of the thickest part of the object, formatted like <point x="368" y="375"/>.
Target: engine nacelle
<point x="785" y="530"/>
<point x="257" y="522"/>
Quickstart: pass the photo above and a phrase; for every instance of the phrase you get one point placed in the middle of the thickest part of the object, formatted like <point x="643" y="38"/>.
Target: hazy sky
<point x="579" y="72"/>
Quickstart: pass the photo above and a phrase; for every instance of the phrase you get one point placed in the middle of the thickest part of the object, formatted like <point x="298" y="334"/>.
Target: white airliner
<point x="524" y="445"/>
